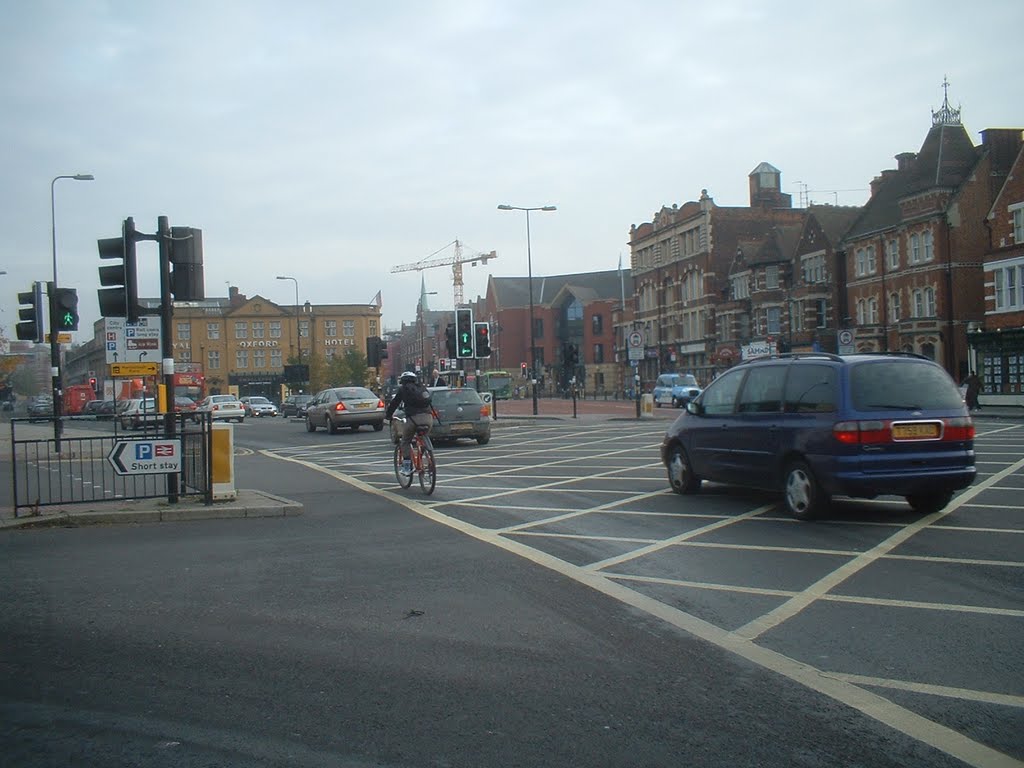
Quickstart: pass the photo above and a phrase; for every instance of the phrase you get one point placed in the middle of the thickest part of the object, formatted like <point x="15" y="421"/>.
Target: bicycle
<point x="423" y="463"/>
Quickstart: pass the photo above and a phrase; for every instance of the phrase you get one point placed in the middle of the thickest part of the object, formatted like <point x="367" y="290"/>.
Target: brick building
<point x="997" y="344"/>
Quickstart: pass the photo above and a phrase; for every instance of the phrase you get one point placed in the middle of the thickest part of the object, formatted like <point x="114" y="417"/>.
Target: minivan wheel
<point x="926" y="503"/>
<point x="680" y="472"/>
<point x="804" y="497"/>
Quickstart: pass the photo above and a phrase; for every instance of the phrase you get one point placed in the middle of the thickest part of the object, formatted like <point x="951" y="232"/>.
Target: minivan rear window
<point x="902" y="385"/>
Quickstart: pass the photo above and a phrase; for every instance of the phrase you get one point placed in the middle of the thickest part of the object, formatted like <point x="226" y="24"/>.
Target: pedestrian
<point x="437" y="381"/>
<point x="973" y="389"/>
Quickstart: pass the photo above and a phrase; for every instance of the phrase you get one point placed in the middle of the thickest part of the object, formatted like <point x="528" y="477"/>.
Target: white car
<point x="139" y="412"/>
<point x="221" y="408"/>
<point x="255" y="405"/>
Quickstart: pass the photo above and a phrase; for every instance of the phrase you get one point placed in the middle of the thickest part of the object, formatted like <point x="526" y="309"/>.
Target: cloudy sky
<point x="332" y="141"/>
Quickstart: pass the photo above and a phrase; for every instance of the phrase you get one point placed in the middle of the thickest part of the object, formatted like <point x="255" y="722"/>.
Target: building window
<point x="373" y="328"/>
<point x="771" y="276"/>
<point x="597" y="325"/>
<point x="926" y="242"/>
<point x="184" y="331"/>
<point x="924" y="302"/>
<point x="1018" y="224"/>
<point x="275" y="359"/>
<point x="915" y="249"/>
<point x="574" y="311"/>
<point x="872" y="266"/>
<point x="241" y="330"/>
<point x="872" y="311"/>
<point x="796" y="315"/>
<point x="814" y="269"/>
<point x="1009" y="287"/>
<point x="821" y="313"/>
<point x="348" y="328"/>
<point x="865" y="261"/>
<point x="740" y="288"/>
<point x="213" y="360"/>
<point x="213" y="330"/>
<point x="774" y="317"/>
<point x="241" y="358"/>
<point x="860" y="311"/>
<point x="257" y="329"/>
<point x="894" y="307"/>
<point x="538" y="328"/>
<point x="330" y="328"/>
<point x="259" y="359"/>
<point x="275" y="329"/>
<point x="304" y="329"/>
<point x="894" y="254"/>
<point x="598" y="353"/>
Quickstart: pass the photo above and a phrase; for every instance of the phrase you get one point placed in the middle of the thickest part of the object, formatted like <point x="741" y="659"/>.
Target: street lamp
<point x="298" y="332"/>
<point x="529" y="270"/>
<point x="55" y="372"/>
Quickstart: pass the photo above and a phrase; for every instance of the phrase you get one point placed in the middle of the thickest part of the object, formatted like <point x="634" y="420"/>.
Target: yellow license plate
<point x="915" y="431"/>
<point x="362" y="405"/>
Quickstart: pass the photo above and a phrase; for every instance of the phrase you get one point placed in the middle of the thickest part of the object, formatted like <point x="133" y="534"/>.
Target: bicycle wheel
<point x="403" y="480"/>
<point x="428" y="470"/>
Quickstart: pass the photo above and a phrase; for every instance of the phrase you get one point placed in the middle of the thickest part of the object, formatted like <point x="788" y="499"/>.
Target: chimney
<point x="904" y="159"/>
<point x="1003" y="144"/>
<point x="234" y="297"/>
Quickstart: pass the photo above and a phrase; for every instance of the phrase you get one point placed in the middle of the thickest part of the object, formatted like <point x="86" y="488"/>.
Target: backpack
<point x="416" y="396"/>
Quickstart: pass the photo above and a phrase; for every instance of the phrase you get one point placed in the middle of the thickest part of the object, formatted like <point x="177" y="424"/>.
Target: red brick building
<point x="997" y="344"/>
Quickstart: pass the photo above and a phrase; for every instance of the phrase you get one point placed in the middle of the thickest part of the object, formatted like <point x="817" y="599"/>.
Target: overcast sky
<point x="332" y="141"/>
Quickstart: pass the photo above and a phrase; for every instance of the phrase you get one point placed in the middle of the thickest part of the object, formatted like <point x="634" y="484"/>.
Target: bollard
<point x="222" y="477"/>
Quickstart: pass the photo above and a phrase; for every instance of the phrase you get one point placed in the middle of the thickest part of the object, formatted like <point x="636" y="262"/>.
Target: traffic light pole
<point x="57" y="394"/>
<point x="163" y="233"/>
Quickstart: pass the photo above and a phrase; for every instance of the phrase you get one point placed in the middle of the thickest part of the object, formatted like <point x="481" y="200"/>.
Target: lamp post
<point x="298" y="333"/>
<point x="55" y="372"/>
<point x="529" y="271"/>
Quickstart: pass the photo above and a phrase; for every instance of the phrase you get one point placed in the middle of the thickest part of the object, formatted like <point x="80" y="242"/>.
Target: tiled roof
<point x="835" y="220"/>
<point x="515" y="291"/>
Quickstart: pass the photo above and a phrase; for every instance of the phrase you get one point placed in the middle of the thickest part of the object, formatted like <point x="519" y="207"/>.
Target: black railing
<point x="94" y="464"/>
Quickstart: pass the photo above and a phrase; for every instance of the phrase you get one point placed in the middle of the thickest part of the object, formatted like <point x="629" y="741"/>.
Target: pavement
<point x="250" y="502"/>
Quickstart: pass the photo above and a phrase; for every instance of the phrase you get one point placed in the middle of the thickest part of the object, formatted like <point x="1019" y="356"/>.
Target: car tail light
<point x="485" y="411"/>
<point x="340" y="407"/>
<point x="380" y="404"/>
<point x="883" y="431"/>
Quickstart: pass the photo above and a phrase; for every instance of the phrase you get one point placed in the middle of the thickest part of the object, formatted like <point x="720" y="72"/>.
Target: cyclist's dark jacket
<point x="405" y="390"/>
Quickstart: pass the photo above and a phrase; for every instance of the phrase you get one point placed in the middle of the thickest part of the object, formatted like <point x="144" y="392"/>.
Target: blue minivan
<point x="818" y="425"/>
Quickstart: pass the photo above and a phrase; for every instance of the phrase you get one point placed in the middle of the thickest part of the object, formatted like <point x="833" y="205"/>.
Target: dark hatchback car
<point x="295" y="406"/>
<point x="459" y="412"/>
<point x="817" y="425"/>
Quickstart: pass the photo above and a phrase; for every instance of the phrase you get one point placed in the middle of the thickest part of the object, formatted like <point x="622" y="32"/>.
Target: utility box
<point x="222" y="477"/>
<point x="647" y="406"/>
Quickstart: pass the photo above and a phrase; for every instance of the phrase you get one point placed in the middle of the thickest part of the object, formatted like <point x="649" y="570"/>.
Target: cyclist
<point x="415" y="401"/>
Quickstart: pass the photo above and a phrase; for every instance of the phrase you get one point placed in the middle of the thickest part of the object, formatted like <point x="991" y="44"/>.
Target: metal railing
<point x="84" y="467"/>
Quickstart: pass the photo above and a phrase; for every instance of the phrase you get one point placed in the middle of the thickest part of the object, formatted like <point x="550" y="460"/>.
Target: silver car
<point x="350" y="407"/>
<point x="139" y="412"/>
<point x="256" y="405"/>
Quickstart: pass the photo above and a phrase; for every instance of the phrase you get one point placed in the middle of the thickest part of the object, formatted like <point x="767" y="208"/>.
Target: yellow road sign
<point x="133" y="369"/>
<point x="62" y="338"/>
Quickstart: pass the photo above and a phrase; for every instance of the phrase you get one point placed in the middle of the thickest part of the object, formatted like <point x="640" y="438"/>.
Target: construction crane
<point x="456" y="260"/>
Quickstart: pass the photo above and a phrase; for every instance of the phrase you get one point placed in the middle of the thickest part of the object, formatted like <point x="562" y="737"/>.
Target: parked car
<point x="295" y="405"/>
<point x="138" y="412"/>
<point x="221" y="408"/>
<point x="256" y="405"/>
<point x="339" y="407"/>
<point x="818" y="425"/>
<point x="675" y="389"/>
<point x="93" y="409"/>
<point x="459" y="412"/>
<point x="40" y="407"/>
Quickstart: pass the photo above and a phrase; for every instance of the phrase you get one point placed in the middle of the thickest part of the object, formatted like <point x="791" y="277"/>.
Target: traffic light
<point x="93" y="384"/>
<point x="449" y="340"/>
<point x="121" y="298"/>
<point x="64" y="310"/>
<point x="186" y="259"/>
<point x="482" y="339"/>
<point x="30" y="327"/>
<point x="464" y="333"/>
<point x="376" y="350"/>
<point x="523" y="367"/>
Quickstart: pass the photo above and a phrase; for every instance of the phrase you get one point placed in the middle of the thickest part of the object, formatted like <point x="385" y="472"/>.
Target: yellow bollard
<point x="223" y="463"/>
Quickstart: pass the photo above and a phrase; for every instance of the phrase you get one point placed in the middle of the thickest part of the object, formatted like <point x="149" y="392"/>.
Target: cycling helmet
<point x="407" y="377"/>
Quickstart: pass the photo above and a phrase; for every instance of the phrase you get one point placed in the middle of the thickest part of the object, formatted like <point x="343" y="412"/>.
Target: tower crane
<point x="456" y="260"/>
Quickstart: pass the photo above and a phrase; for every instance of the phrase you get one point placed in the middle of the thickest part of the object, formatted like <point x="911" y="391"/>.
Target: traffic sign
<point x="130" y="370"/>
<point x="636" y="346"/>
<point x="62" y="338"/>
<point x="132" y="342"/>
<point x="145" y="457"/>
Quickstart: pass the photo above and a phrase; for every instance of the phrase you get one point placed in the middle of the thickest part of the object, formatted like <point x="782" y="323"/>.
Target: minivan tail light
<point x="960" y="428"/>
<point x="872" y="432"/>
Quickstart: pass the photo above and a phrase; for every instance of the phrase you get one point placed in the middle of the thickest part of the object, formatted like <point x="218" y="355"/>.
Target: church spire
<point x="423" y="294"/>
<point x="946" y="115"/>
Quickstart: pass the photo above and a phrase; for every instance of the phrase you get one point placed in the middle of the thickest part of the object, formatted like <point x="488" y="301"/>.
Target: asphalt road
<point x="478" y="627"/>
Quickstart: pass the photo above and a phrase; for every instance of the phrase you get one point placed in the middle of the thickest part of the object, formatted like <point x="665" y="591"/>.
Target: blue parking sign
<point x="143" y="451"/>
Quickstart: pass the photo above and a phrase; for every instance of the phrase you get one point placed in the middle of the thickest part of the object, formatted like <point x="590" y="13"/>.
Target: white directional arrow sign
<point x="145" y="457"/>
